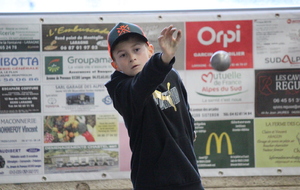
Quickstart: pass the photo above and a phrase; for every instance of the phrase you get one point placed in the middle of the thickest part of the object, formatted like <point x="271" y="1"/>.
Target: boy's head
<point x="121" y="31"/>
<point x="129" y="48"/>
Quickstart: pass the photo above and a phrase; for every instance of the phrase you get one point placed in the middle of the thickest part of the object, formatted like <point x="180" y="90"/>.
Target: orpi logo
<point x="208" y="36"/>
<point x="218" y="140"/>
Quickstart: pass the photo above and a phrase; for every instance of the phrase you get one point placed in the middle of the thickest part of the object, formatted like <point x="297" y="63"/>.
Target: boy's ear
<point x="114" y="65"/>
<point x="151" y="49"/>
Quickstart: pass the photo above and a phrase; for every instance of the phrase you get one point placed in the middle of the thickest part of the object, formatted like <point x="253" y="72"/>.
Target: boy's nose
<point x="132" y="58"/>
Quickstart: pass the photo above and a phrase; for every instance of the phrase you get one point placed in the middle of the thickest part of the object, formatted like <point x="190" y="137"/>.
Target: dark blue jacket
<point x="161" y="129"/>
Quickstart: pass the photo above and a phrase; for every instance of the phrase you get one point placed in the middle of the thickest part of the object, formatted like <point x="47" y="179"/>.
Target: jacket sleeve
<point x="144" y="83"/>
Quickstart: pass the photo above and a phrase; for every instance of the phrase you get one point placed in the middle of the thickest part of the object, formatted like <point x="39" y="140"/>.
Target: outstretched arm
<point x="168" y="43"/>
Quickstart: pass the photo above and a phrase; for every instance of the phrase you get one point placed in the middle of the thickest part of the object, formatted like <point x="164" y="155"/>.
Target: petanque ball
<point x="220" y="60"/>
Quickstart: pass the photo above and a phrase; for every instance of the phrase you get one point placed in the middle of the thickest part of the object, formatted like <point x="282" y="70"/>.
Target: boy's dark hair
<point x="122" y="30"/>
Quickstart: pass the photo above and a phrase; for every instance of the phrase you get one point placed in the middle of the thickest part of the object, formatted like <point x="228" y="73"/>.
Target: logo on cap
<point x="123" y="29"/>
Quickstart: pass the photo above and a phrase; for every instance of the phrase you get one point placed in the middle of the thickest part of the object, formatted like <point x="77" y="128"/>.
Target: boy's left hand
<point x="168" y="43"/>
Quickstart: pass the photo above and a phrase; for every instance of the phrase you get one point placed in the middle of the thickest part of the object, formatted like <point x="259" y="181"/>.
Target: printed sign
<point x="17" y="129"/>
<point x="277" y="93"/>
<point x="17" y="69"/>
<point x="277" y="142"/>
<point x="90" y="97"/>
<point x="72" y="67"/>
<point x="19" y="37"/>
<point x="224" y="144"/>
<point x="277" y="43"/>
<point x="75" y="37"/>
<point x="18" y="161"/>
<point x="215" y="95"/>
<point x="81" y="158"/>
<point x="20" y="99"/>
<point x="81" y="128"/>
<point x="205" y="38"/>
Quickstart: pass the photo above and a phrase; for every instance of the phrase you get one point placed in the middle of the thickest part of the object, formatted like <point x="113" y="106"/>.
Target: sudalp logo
<point x="54" y="65"/>
<point x="285" y="59"/>
<point x="218" y="140"/>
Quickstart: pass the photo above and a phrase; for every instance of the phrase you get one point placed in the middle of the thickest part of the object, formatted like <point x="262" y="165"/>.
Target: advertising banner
<point x="20" y="37"/>
<point x="20" y="129"/>
<point x="215" y="95"/>
<point x="76" y="97"/>
<point x="277" y="93"/>
<point x="277" y="142"/>
<point x="75" y="37"/>
<point x="20" y="69"/>
<point x="277" y="43"/>
<point x="225" y="144"/>
<point x="21" y="161"/>
<point x="20" y="99"/>
<point x="58" y="123"/>
<point x="205" y="38"/>
<point x="81" y="158"/>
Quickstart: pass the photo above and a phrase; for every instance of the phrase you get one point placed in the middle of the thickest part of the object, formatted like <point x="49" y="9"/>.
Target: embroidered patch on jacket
<point x="167" y="99"/>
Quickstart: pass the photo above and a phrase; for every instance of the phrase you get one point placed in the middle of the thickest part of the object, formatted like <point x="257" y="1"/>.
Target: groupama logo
<point x="54" y="65"/>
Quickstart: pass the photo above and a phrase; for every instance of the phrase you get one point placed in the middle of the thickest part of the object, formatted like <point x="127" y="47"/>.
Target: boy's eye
<point x="122" y="55"/>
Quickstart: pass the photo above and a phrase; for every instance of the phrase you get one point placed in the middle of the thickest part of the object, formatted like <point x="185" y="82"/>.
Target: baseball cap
<point x="120" y="30"/>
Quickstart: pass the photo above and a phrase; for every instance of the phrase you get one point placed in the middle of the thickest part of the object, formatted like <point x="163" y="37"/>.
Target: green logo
<point x="54" y="65"/>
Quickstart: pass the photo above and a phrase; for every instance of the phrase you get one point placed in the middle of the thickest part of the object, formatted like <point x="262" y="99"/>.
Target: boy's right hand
<point x="168" y="43"/>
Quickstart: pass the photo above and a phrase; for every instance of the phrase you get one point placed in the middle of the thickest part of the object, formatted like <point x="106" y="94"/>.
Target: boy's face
<point x="131" y="55"/>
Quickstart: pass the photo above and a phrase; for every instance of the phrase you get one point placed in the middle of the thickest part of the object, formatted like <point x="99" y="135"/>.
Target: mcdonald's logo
<point x="218" y="141"/>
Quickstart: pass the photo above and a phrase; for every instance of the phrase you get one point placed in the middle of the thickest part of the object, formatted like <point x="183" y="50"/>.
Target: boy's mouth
<point x="134" y="66"/>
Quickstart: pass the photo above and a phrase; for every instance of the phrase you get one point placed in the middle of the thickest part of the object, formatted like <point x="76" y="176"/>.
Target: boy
<point x="152" y="100"/>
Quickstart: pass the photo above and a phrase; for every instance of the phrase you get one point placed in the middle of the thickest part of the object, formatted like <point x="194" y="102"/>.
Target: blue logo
<point x="33" y="150"/>
<point x="107" y="100"/>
